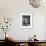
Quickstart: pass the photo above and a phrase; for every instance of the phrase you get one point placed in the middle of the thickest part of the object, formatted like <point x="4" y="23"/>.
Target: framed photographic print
<point x="26" y="20"/>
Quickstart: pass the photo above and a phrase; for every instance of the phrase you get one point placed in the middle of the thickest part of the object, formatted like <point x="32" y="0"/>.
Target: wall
<point x="13" y="8"/>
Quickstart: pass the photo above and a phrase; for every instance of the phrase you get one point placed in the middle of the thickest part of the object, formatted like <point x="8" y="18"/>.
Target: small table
<point x="27" y="42"/>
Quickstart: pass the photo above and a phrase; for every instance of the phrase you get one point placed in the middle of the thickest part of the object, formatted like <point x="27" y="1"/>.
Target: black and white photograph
<point x="26" y="21"/>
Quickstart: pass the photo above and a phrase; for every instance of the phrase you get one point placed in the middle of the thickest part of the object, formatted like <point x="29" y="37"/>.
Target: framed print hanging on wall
<point x="26" y="20"/>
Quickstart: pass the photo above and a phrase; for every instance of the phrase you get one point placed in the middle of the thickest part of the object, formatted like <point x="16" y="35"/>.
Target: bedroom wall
<point x="14" y="8"/>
